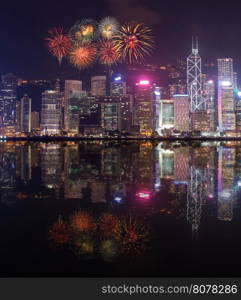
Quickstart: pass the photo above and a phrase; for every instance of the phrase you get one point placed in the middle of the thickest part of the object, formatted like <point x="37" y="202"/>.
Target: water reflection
<point x="112" y="201"/>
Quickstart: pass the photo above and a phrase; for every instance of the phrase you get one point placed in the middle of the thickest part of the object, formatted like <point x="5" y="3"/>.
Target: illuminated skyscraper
<point x="51" y="112"/>
<point x="181" y="110"/>
<point x="73" y="105"/>
<point x="98" y="85"/>
<point x="194" y="79"/>
<point x="166" y="115"/>
<point x="26" y="105"/>
<point x="226" y="107"/>
<point x="118" y="86"/>
<point x="8" y="100"/>
<point x="144" y="107"/>
<point x="35" y="120"/>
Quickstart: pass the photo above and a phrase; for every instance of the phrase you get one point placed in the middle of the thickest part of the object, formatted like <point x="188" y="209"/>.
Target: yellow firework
<point x="134" y="41"/>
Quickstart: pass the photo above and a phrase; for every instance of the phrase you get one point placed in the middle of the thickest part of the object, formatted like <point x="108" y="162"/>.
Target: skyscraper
<point x="226" y="107"/>
<point x="73" y="99"/>
<point x="166" y="115"/>
<point x="51" y="112"/>
<point x="8" y="100"/>
<point x="118" y="86"/>
<point x="98" y="85"/>
<point x="26" y="106"/>
<point x="144" y="108"/>
<point x="181" y="110"/>
<point x="194" y="79"/>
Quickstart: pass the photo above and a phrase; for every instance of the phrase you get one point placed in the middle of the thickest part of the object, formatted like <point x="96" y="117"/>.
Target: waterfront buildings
<point x="226" y="107"/>
<point x="182" y="116"/>
<point x="8" y="98"/>
<point x="98" y="85"/>
<point x="144" y="108"/>
<point x="51" y="112"/>
<point x="26" y="106"/>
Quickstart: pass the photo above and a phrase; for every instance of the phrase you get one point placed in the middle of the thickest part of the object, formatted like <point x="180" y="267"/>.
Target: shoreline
<point x="60" y="138"/>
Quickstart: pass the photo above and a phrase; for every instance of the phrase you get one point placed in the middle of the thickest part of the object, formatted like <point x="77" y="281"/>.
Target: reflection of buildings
<point x="7" y="172"/>
<point x="51" y="165"/>
<point x="181" y="107"/>
<point x="225" y="183"/>
<point x="73" y="183"/>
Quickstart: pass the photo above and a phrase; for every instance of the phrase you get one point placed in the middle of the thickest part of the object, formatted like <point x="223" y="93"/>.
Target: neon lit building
<point x="144" y="108"/>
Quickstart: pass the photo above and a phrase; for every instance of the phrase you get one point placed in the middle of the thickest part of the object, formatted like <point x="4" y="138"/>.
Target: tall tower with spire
<point x="194" y="79"/>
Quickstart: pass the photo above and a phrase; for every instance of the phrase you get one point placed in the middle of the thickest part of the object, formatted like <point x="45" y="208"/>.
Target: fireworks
<point x="59" y="233"/>
<point x="134" y="41"/>
<point x="82" y="221"/>
<point x="58" y="43"/>
<point x="82" y="56"/>
<point x="108" y="53"/>
<point x="108" y="27"/>
<point x="135" y="236"/>
<point x="84" y="31"/>
<point x="110" y="226"/>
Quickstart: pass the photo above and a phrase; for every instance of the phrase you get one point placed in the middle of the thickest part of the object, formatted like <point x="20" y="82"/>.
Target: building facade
<point x="26" y="107"/>
<point x="98" y="85"/>
<point x="182" y="114"/>
<point x="51" y="112"/>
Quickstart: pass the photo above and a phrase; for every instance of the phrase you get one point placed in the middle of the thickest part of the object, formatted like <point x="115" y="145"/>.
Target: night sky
<point x="24" y="24"/>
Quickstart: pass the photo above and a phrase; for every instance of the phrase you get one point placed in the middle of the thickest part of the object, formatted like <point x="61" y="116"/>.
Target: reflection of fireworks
<point x="108" y="53"/>
<point x="58" y="43"/>
<point x="110" y="226"/>
<point x="59" y="233"/>
<point x="84" y="31"/>
<point x="109" y="250"/>
<point x="82" y="221"/>
<point x="82" y="56"/>
<point x="135" y="235"/>
<point x="108" y="27"/>
<point x="134" y="41"/>
<point x="84" y="246"/>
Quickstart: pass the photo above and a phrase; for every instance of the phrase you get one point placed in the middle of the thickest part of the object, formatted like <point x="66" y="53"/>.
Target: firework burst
<point x="82" y="221"/>
<point x="108" y="27"/>
<point x="58" y="43"/>
<point x="110" y="226"/>
<point x="135" y="236"/>
<point x="134" y="41"/>
<point x="83" y="55"/>
<point x="84" y="31"/>
<point x="108" y="53"/>
<point x="59" y="233"/>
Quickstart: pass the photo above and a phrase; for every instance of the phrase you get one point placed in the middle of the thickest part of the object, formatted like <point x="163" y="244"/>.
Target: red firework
<point x="83" y="222"/>
<point x="108" y="53"/>
<point x="110" y="226"/>
<point x="58" y="43"/>
<point x="83" y="55"/>
<point x="59" y="233"/>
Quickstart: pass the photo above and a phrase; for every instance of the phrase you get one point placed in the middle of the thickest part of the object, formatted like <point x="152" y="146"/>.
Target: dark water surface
<point x="111" y="209"/>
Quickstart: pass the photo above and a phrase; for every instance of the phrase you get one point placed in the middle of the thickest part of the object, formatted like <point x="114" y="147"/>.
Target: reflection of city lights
<point x="143" y="195"/>
<point x="117" y="199"/>
<point x="144" y="82"/>
<point x="225" y="83"/>
<point x="118" y="78"/>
